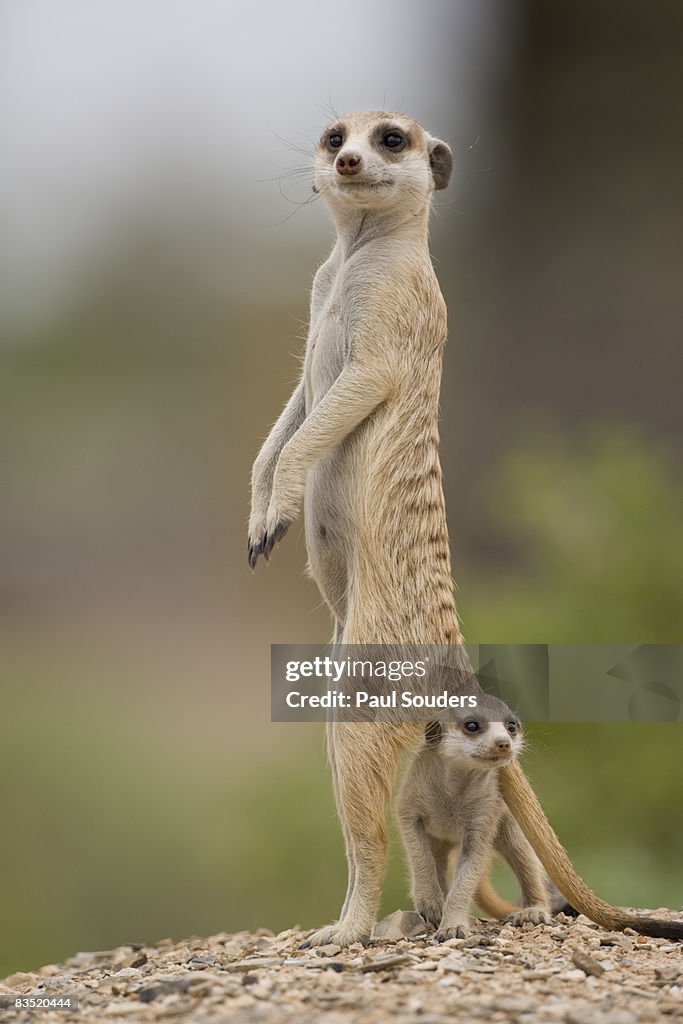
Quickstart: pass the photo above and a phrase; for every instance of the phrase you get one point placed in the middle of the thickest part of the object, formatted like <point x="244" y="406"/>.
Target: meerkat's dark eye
<point x="393" y="140"/>
<point x="471" y="726"/>
<point x="512" y="727"/>
<point x="334" y="140"/>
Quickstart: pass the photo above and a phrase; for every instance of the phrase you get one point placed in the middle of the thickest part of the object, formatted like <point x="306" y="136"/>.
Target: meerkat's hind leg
<point x="345" y="832"/>
<point x="517" y="851"/>
<point x="366" y="757"/>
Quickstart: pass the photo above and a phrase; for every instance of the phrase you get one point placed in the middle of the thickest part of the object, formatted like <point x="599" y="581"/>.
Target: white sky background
<point x="112" y="109"/>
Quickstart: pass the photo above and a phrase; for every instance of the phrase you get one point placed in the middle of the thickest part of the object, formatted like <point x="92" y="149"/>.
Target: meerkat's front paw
<point x="256" y="536"/>
<point x="262" y="542"/>
<point x="258" y="520"/>
<point x="529" y="915"/>
<point x="458" y="931"/>
<point x="337" y="934"/>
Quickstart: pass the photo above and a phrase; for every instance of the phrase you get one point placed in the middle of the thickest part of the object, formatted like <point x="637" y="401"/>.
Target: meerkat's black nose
<point x="348" y="163"/>
<point x="503" y="743"/>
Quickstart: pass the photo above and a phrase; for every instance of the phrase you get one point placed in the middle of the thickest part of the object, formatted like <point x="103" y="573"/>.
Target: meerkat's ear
<point x="433" y="733"/>
<point x="441" y="162"/>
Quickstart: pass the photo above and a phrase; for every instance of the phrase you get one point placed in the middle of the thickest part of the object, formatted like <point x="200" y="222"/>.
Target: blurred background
<point x="158" y="243"/>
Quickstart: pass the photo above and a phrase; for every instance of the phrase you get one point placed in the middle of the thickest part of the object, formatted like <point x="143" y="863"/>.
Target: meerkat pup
<point x="450" y="798"/>
<point x="358" y="446"/>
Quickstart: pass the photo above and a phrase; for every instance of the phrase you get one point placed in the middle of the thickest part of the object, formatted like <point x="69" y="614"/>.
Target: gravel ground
<point x="569" y="971"/>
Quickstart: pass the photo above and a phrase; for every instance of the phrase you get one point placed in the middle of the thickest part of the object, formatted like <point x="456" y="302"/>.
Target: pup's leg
<point x="425" y="885"/>
<point x="517" y="851"/>
<point x="440" y="852"/>
<point x="472" y="862"/>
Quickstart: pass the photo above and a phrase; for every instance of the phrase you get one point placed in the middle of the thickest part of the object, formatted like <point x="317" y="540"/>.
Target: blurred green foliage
<point x="598" y="522"/>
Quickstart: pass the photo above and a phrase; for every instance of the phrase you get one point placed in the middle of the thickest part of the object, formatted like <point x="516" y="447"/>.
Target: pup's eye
<point x="392" y="140"/>
<point x="334" y="140"/>
<point x="512" y="727"/>
<point x="471" y="726"/>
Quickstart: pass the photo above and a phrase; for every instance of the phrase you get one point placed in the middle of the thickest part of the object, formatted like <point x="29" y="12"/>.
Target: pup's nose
<point x="503" y="744"/>
<point x="348" y="163"/>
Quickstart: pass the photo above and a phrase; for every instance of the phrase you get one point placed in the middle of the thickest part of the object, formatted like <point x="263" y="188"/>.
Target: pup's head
<point x="373" y="160"/>
<point x="484" y="737"/>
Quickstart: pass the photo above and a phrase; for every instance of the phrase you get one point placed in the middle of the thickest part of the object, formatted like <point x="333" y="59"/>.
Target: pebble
<point x="587" y="964"/>
<point x="401" y="924"/>
<point x="329" y="950"/>
<point x="499" y="973"/>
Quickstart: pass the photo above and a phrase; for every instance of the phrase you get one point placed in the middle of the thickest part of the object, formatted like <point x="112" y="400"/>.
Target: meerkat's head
<point x="484" y="737"/>
<point x="375" y="160"/>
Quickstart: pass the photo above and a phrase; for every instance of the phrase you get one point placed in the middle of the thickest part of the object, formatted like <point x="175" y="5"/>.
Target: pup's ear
<point x="441" y="162"/>
<point x="433" y="733"/>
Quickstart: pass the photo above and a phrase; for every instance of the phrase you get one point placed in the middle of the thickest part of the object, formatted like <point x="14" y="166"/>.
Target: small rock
<point x="572" y="975"/>
<point x="399" y="925"/>
<point x="666" y="975"/>
<point x="200" y="963"/>
<point x="385" y="963"/>
<point x="587" y="964"/>
<point x="253" y="963"/>
<point x="151" y="992"/>
<point x="453" y="964"/>
<point x="331" y="949"/>
<point x="21" y="979"/>
<point x="625" y="941"/>
<point x="133" y="961"/>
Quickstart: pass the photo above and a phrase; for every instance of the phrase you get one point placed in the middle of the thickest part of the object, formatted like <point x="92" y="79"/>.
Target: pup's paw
<point x="459" y="931"/>
<point x="430" y="910"/>
<point x="529" y="915"/>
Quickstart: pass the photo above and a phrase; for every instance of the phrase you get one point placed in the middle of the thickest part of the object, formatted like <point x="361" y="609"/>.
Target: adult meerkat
<point x="358" y="444"/>
<point x="450" y="797"/>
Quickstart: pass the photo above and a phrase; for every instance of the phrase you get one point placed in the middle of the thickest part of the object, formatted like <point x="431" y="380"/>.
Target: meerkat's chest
<point x="458" y="805"/>
<point x="328" y="347"/>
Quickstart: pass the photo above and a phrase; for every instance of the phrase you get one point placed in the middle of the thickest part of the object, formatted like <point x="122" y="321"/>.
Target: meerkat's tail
<point x="494" y="906"/>
<point x="524" y="805"/>
<point x="488" y="900"/>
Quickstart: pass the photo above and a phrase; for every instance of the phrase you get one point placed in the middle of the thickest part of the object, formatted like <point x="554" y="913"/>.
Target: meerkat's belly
<point x="330" y="515"/>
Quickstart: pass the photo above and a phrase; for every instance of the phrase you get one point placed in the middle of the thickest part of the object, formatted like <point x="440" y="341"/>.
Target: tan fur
<point x="358" y="445"/>
<point x="450" y="798"/>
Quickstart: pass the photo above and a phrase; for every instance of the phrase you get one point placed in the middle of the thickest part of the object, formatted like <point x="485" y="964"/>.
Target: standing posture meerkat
<point x="449" y="798"/>
<point x="358" y="445"/>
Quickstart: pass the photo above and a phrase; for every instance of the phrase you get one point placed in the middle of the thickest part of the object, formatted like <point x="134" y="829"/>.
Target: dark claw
<point x="267" y="543"/>
<point x="254" y="550"/>
<point x="271" y="539"/>
<point x="305" y="945"/>
<point x="446" y="934"/>
<point x="280" y="530"/>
